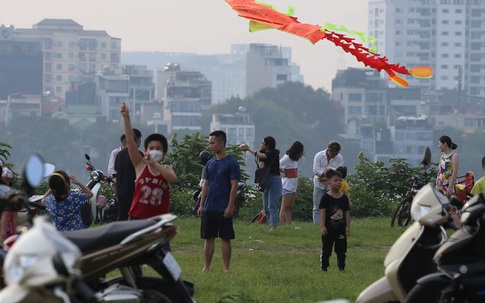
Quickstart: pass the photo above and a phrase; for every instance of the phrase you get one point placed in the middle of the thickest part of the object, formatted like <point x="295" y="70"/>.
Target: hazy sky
<point x="201" y="26"/>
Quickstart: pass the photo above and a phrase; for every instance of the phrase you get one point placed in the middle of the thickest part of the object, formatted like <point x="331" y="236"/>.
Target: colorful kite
<point x="263" y="16"/>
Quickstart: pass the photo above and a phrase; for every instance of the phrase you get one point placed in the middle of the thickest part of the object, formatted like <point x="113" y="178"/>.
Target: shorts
<point x="214" y="225"/>
<point x="286" y="192"/>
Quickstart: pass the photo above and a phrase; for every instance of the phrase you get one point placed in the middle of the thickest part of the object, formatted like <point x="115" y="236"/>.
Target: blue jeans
<point x="271" y="199"/>
<point x="317" y="196"/>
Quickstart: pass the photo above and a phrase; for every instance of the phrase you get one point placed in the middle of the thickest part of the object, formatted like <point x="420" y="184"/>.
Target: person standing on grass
<point x="345" y="189"/>
<point x="218" y="196"/>
<point x="269" y="155"/>
<point x="334" y="221"/>
<point x="289" y="181"/>
<point x="323" y="160"/>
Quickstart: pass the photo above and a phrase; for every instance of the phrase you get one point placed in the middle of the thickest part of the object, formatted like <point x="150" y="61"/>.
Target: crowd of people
<point x="142" y="189"/>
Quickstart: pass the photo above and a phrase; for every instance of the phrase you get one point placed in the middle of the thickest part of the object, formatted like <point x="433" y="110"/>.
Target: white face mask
<point x="156" y="155"/>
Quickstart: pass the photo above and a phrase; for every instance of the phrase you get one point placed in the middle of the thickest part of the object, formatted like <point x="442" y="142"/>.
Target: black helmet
<point x="204" y="157"/>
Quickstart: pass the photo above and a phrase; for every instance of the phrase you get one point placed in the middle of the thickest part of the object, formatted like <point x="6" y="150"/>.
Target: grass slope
<point x="283" y="265"/>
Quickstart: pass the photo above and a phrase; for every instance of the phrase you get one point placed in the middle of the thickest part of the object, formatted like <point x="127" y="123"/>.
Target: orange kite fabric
<point x="270" y="18"/>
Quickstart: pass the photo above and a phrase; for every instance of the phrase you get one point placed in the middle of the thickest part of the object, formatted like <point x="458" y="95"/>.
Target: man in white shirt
<point x="323" y="160"/>
<point x="111" y="162"/>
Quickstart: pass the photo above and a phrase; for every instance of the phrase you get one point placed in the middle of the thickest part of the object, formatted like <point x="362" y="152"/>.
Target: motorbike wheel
<point x="402" y="212"/>
<point x="153" y="296"/>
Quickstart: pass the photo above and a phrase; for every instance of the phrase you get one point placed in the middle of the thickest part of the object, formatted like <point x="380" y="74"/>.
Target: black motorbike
<point x="402" y="214"/>
<point x="460" y="261"/>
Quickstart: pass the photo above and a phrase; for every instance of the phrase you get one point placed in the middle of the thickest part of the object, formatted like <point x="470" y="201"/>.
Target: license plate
<point x="172" y="266"/>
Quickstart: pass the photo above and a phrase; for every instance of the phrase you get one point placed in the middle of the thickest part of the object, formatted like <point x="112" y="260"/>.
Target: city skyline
<point x="204" y="27"/>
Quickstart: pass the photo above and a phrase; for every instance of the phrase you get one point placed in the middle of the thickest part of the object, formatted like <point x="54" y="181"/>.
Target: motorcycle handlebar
<point x="13" y="201"/>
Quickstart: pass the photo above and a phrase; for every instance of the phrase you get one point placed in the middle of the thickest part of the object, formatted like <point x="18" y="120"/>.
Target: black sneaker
<point x="324" y="269"/>
<point x="342" y="268"/>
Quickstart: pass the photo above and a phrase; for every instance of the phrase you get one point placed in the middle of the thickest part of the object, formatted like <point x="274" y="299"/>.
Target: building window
<point x="281" y="77"/>
<point x="59" y="78"/>
<point x="355" y="110"/>
<point x="355" y="97"/>
<point x="59" y="66"/>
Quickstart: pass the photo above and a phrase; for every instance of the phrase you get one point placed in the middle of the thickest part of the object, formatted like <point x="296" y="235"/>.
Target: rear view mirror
<point x="426" y="157"/>
<point x="32" y="174"/>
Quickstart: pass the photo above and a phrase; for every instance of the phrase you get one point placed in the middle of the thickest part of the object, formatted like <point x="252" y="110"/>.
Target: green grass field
<point x="283" y="265"/>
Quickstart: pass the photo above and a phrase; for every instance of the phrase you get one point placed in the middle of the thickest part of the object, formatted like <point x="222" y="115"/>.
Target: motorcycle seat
<point x="106" y="235"/>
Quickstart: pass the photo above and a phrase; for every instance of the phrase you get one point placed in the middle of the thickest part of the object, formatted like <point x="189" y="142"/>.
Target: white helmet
<point x="41" y="257"/>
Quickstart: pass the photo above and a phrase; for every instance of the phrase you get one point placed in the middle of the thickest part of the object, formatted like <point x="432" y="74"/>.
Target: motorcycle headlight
<point x="419" y="211"/>
<point x="95" y="176"/>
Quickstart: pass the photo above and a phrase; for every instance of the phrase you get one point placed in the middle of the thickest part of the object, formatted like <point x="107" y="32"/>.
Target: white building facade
<point x="446" y="35"/>
<point x="69" y="50"/>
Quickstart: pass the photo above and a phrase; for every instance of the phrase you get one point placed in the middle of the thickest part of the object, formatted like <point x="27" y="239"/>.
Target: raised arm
<point x="131" y="144"/>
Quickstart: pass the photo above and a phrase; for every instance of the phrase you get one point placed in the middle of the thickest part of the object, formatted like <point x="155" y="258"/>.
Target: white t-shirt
<point x="290" y="180"/>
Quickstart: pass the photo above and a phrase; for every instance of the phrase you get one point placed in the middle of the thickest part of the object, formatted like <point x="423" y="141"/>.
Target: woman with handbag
<point x="268" y="157"/>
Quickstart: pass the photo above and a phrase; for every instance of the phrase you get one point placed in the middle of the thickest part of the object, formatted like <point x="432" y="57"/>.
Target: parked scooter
<point x="72" y="266"/>
<point x="100" y="207"/>
<point x="128" y="246"/>
<point x="460" y="261"/>
<point x="410" y="257"/>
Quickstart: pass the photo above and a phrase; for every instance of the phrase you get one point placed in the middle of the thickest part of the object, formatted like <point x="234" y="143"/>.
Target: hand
<point x="324" y="231"/>
<point x="228" y="212"/>
<point x="124" y="109"/>
<point x="244" y="147"/>
<point x="74" y="180"/>
<point x="148" y="159"/>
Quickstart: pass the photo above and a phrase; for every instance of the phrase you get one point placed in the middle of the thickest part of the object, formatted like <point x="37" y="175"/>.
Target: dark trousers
<point x="124" y="204"/>
<point x="328" y="242"/>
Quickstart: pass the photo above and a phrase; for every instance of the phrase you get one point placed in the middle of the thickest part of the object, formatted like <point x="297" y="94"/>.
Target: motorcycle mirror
<point x="426" y="157"/>
<point x="32" y="174"/>
<point x="49" y="168"/>
<point x="87" y="157"/>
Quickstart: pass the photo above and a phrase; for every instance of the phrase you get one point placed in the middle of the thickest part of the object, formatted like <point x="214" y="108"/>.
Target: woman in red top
<point x="152" y="185"/>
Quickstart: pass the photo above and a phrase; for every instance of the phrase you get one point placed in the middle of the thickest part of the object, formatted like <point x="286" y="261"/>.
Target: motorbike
<point x="410" y="257"/>
<point x="460" y="262"/>
<point x="101" y="209"/>
<point x="85" y="257"/>
<point x="402" y="212"/>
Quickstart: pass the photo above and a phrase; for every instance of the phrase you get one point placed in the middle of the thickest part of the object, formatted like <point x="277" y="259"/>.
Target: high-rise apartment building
<point x="69" y="50"/>
<point x="446" y="35"/>
<point x="185" y="94"/>
<point x="266" y="66"/>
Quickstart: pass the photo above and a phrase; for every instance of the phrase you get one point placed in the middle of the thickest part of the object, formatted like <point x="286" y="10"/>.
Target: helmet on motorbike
<point x="204" y="157"/>
<point x="42" y="256"/>
<point x="101" y="201"/>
